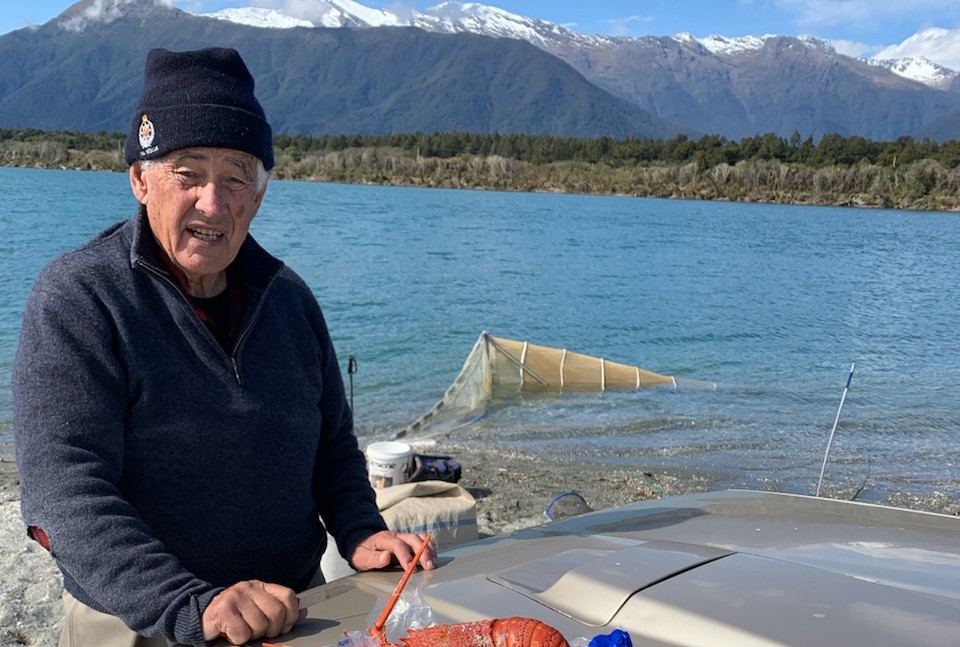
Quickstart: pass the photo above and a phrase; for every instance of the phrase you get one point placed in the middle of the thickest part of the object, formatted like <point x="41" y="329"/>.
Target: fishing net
<point x="499" y="368"/>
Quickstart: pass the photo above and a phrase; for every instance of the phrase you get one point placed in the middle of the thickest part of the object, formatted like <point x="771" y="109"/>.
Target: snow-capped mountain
<point x="707" y="83"/>
<point x="87" y="13"/>
<point x="920" y="69"/>
<point x="312" y="81"/>
<point x="485" y="20"/>
<point x="266" y="18"/>
<point x="328" y="13"/>
<point x="471" y="17"/>
<point x="735" y="87"/>
<point x="446" y="17"/>
<point x="725" y="46"/>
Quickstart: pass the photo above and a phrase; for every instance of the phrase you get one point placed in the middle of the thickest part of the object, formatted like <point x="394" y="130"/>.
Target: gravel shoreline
<point x="512" y="491"/>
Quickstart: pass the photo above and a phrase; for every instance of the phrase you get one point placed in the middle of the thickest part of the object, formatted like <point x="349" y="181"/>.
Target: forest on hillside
<point x="836" y="170"/>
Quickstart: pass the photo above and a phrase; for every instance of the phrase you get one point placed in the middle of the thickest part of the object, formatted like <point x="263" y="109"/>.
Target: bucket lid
<point x="388" y="449"/>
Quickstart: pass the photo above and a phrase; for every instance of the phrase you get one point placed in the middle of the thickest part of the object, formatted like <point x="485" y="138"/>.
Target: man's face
<point x="200" y="203"/>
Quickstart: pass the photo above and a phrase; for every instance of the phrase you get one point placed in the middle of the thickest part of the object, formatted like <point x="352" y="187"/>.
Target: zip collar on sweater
<point x="257" y="271"/>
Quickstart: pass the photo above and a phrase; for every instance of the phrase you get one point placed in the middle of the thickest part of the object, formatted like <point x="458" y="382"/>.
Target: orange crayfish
<point x="502" y="632"/>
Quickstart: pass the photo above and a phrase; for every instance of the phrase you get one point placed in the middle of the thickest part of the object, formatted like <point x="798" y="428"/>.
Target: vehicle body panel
<point x="723" y="568"/>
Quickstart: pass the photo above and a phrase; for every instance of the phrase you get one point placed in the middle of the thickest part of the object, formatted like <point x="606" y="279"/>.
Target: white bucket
<point x="386" y="461"/>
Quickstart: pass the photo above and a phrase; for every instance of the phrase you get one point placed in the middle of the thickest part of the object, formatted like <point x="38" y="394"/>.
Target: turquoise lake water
<point x="773" y="303"/>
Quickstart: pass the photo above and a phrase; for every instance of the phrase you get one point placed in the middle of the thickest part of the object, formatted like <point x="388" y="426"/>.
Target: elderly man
<point x="181" y="428"/>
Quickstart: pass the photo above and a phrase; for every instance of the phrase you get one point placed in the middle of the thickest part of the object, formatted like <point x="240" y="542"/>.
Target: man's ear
<point x="262" y="193"/>
<point x="137" y="183"/>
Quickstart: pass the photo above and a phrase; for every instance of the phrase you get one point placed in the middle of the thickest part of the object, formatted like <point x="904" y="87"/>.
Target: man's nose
<point x="211" y="198"/>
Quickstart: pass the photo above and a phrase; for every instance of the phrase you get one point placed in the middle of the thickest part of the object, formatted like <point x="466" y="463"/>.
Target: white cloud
<point x="101" y="11"/>
<point x="279" y="5"/>
<point x="621" y="26"/>
<point x="403" y="10"/>
<point x="303" y="9"/>
<point x="855" y="49"/>
<point x="937" y="44"/>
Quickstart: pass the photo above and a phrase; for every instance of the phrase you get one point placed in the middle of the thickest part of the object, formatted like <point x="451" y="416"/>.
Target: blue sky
<point x="857" y="27"/>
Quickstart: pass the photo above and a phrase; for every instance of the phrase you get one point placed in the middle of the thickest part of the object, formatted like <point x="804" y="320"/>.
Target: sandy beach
<point x="511" y="490"/>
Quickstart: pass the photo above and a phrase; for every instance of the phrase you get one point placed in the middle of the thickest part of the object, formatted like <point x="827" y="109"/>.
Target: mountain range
<point x="475" y="68"/>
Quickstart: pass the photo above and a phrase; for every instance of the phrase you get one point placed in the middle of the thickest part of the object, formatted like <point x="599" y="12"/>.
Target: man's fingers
<point x="250" y="610"/>
<point x="259" y="611"/>
<point x="286" y="611"/>
<point x="377" y="551"/>
<point x="301" y="614"/>
<point x="367" y="558"/>
<point x="413" y="542"/>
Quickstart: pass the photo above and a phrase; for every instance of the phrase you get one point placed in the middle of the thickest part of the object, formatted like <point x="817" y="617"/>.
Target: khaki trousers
<point x="86" y="627"/>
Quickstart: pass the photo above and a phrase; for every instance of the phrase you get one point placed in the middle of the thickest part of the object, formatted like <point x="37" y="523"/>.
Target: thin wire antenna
<point x="833" y="431"/>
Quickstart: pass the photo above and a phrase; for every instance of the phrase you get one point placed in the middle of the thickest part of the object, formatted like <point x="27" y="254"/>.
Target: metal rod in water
<point x="833" y="431"/>
<point x="351" y="369"/>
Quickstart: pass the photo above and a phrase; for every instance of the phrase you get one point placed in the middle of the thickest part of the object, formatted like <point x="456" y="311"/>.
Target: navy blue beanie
<point x="200" y="98"/>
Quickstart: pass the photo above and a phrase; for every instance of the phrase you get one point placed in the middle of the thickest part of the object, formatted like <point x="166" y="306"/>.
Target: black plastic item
<point x="433" y="468"/>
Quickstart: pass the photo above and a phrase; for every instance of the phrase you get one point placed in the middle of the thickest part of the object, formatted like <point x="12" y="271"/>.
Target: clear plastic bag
<point x="410" y="612"/>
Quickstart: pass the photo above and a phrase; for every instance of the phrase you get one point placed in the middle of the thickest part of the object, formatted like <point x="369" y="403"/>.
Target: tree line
<point x="905" y="173"/>
<point x="708" y="150"/>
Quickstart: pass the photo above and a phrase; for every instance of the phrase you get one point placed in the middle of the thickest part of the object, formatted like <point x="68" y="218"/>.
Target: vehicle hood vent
<point x="591" y="584"/>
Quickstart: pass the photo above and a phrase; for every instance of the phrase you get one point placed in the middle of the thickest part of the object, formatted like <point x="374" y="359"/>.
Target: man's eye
<point x="237" y="183"/>
<point x="187" y="176"/>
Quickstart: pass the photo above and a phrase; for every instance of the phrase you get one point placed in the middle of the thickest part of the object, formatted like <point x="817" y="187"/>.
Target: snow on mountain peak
<point x="917" y="68"/>
<point x="453" y="17"/>
<point x="477" y="18"/>
<point x="723" y="45"/>
<point x="370" y="17"/>
<point x="727" y="46"/>
<point x="446" y="17"/>
<point x="817" y="43"/>
<point x="256" y="17"/>
<point x="325" y="13"/>
<point x="78" y="16"/>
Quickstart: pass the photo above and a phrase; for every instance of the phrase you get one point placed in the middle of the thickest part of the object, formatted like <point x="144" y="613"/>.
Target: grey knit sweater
<point x="163" y="468"/>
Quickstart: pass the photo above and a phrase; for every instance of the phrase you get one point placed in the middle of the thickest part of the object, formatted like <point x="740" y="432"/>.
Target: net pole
<point x="843" y="397"/>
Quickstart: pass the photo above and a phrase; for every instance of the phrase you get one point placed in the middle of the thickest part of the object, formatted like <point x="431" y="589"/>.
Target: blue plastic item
<point x="616" y="638"/>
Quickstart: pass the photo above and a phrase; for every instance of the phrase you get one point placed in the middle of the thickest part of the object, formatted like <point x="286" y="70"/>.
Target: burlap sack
<point x="444" y="510"/>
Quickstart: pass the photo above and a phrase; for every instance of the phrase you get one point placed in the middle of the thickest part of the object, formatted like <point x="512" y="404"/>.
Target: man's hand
<point x="380" y="549"/>
<point x="249" y="610"/>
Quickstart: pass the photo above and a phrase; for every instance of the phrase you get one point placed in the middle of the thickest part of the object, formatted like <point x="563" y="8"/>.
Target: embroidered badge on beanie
<point x="146" y="134"/>
<point x="198" y="98"/>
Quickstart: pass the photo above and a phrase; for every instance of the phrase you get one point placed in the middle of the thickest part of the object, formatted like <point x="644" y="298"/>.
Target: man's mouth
<point x="208" y="235"/>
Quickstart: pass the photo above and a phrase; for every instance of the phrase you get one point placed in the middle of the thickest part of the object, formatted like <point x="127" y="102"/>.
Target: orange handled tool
<point x="377" y="630"/>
